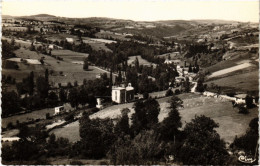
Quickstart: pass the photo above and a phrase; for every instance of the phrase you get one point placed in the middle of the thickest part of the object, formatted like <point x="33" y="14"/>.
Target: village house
<point x="58" y="110"/>
<point x="122" y="94"/>
<point x="70" y="40"/>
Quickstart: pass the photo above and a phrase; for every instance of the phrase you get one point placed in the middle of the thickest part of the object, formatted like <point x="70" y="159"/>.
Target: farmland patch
<point x="229" y="70"/>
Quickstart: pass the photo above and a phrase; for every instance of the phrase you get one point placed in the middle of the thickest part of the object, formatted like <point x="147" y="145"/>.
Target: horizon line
<point x="196" y="19"/>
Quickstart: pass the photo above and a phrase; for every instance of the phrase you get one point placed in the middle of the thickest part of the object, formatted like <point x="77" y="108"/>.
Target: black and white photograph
<point x="128" y="82"/>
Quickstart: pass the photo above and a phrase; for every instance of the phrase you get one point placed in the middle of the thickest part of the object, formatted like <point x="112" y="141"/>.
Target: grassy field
<point x="61" y="36"/>
<point x="231" y="123"/>
<point x="239" y="82"/>
<point x="142" y="61"/>
<point x="236" y="58"/>
<point x="227" y="75"/>
<point x="68" y="131"/>
<point x="111" y="34"/>
<point x="40" y="114"/>
<point x="69" y="55"/>
<point x="71" y="71"/>
<point x="173" y="55"/>
<point x="230" y="69"/>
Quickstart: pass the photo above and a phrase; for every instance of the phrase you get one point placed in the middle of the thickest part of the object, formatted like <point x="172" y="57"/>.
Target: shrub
<point x="169" y="93"/>
<point x="93" y="110"/>
<point x="47" y="115"/>
<point x="231" y="94"/>
<point x="69" y="117"/>
<point x="242" y="109"/>
<point x="10" y="125"/>
<point x="76" y="162"/>
<point x="177" y="91"/>
<point x="145" y="95"/>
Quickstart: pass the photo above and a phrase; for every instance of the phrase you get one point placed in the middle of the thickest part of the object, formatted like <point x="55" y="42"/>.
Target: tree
<point x="83" y="96"/>
<point x="187" y="84"/>
<point x="144" y="149"/>
<point x="42" y="86"/>
<point x="85" y="66"/>
<point x="52" y="99"/>
<point x="169" y="92"/>
<point x="169" y="127"/>
<point x="96" y="136"/>
<point x="12" y="41"/>
<point x="137" y="64"/>
<point x="248" y="141"/>
<point x="152" y="111"/>
<point x="203" y="144"/>
<point x="63" y="95"/>
<point x="32" y="48"/>
<point x="249" y="101"/>
<point x="69" y="85"/>
<point x="31" y="83"/>
<point x="10" y="103"/>
<point x="47" y="76"/>
<point x="145" y="116"/>
<point x="75" y="83"/>
<point x="122" y="126"/>
<point x="119" y="78"/>
<point x="190" y="69"/>
<point x="200" y="87"/>
<point x="47" y="116"/>
<point x="73" y="98"/>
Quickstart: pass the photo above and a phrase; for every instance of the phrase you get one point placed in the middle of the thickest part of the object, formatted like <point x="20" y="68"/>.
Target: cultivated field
<point x="69" y="55"/>
<point x="229" y="70"/>
<point x="231" y="123"/>
<point x="173" y="55"/>
<point x="71" y="71"/>
<point x="102" y="40"/>
<point x="240" y="82"/>
<point x="105" y="34"/>
<point x="96" y="45"/>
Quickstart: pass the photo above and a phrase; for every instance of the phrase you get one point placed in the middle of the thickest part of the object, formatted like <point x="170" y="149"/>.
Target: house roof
<point x="118" y="88"/>
<point x="129" y="88"/>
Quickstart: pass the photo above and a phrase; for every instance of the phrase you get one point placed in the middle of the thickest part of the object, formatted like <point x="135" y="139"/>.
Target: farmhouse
<point x="167" y="61"/>
<point x="10" y="139"/>
<point x="121" y="94"/>
<point x="58" y="110"/>
<point x="70" y="40"/>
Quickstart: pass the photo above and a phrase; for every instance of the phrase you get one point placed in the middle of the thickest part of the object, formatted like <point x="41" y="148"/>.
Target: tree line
<point x="138" y="139"/>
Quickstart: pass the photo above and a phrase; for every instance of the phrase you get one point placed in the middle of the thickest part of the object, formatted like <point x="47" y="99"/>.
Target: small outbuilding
<point x="59" y="110"/>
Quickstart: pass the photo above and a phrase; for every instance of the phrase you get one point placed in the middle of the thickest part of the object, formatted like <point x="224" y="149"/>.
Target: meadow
<point x="40" y="114"/>
<point x="131" y="60"/>
<point x="69" y="55"/>
<point x="70" y="70"/>
<point x="242" y="82"/>
<point x="231" y="123"/>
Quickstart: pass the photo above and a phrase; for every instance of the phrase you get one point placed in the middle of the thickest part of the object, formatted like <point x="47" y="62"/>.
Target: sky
<point x="138" y="10"/>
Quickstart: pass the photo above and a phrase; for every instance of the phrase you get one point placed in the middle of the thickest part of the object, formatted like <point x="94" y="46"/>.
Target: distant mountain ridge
<point x="48" y="16"/>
